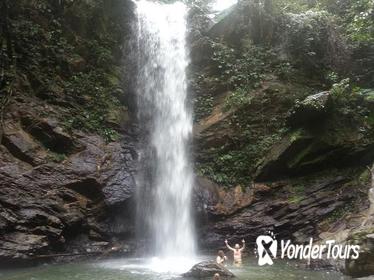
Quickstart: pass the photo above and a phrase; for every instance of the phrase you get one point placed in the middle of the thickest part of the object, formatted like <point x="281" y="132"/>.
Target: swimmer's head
<point x="221" y="253"/>
<point x="237" y="246"/>
<point x="216" y="276"/>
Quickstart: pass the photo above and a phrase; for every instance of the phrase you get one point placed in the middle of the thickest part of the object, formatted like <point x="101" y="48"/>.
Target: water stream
<point x="165" y="183"/>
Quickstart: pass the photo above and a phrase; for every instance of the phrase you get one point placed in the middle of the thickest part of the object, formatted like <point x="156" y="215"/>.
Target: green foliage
<point x="309" y="104"/>
<point x="360" y="21"/>
<point x="341" y="89"/>
<point x="238" y="98"/>
<point x="241" y="70"/>
<point x="93" y="91"/>
<point x="284" y="70"/>
<point x="254" y="130"/>
<point x="75" y="70"/>
<point x="99" y="53"/>
<point x="307" y="40"/>
<point x="291" y="6"/>
<point x="314" y="47"/>
<point x="224" y="62"/>
<point x="349" y="106"/>
<point x="232" y="166"/>
<point x="355" y="16"/>
<point x="332" y="77"/>
<point x="203" y="106"/>
<point x="245" y="70"/>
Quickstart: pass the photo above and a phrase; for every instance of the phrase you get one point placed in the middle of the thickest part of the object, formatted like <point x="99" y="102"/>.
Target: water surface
<point x="148" y="269"/>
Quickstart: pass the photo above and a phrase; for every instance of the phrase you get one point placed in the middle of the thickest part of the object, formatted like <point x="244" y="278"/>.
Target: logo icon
<point x="266" y="249"/>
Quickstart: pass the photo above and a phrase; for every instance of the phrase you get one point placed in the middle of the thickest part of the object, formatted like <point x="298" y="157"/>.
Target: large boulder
<point x="310" y="110"/>
<point x="364" y="265"/>
<point x="207" y="269"/>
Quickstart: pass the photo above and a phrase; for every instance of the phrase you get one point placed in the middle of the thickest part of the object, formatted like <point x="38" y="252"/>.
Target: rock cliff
<point x="68" y="154"/>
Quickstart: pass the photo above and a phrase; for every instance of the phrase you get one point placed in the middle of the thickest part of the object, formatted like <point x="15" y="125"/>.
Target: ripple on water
<point x="159" y="269"/>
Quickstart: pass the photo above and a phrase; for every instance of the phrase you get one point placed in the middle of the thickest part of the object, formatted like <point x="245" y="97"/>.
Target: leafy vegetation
<point x="359" y="21"/>
<point x="314" y="46"/>
<point x="70" y="67"/>
<point x="239" y="97"/>
<point x="203" y="106"/>
<point x="92" y="89"/>
<point x="235" y="164"/>
<point x="355" y="16"/>
<point x="349" y="100"/>
<point x="242" y="71"/>
<point x="307" y="37"/>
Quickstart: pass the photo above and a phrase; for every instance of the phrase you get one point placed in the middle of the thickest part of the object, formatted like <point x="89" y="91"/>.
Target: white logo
<point x="267" y="247"/>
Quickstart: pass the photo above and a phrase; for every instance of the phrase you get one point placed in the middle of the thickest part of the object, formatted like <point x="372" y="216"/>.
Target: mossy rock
<point x="300" y="153"/>
<point x="310" y="111"/>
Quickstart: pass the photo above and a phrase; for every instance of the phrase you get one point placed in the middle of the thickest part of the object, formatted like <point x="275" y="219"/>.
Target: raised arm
<point x="228" y="246"/>
<point x="242" y="248"/>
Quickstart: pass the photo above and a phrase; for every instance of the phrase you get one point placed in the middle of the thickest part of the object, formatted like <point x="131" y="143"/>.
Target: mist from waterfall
<point x="166" y="178"/>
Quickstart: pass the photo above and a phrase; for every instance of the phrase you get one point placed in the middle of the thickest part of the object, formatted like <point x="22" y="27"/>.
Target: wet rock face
<point x="206" y="270"/>
<point x="212" y="200"/>
<point x="282" y="207"/>
<point x="46" y="202"/>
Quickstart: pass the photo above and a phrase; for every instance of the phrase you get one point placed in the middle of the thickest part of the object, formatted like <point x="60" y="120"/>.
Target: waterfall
<point x="166" y="180"/>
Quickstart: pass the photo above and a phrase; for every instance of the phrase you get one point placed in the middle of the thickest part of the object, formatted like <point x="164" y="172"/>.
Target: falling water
<point x="165" y="184"/>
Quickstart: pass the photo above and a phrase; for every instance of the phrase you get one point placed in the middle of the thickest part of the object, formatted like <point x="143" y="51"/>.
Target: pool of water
<point x="155" y="269"/>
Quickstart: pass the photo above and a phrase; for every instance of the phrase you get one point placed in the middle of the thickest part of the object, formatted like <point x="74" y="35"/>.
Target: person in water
<point x="237" y="252"/>
<point x="216" y="277"/>
<point x="221" y="258"/>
